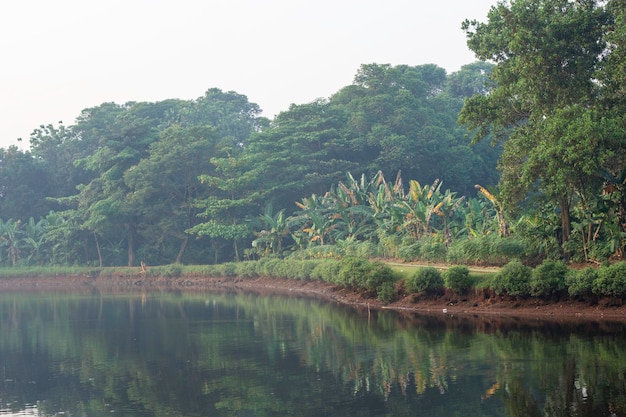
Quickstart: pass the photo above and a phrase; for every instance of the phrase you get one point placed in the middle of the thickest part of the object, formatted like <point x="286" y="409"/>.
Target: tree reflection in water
<point x="197" y="354"/>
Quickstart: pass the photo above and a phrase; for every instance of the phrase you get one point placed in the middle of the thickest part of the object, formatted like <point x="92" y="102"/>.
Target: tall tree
<point x="404" y="118"/>
<point x="123" y="134"/>
<point x="166" y="186"/>
<point x="547" y="53"/>
<point x="24" y="185"/>
<point x="302" y="152"/>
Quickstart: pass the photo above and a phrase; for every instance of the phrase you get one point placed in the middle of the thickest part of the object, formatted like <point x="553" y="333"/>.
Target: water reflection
<point x="241" y="354"/>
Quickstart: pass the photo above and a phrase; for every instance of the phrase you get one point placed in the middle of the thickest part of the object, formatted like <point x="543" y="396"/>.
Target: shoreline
<point x="480" y="303"/>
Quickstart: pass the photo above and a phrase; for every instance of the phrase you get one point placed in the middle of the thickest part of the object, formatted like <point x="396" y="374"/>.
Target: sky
<point x="60" y="57"/>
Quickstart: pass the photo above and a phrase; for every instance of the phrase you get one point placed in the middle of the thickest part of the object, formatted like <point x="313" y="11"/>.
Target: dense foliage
<point x="210" y="180"/>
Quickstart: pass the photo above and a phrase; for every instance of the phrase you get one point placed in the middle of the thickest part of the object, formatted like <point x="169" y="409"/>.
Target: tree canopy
<point x="554" y="104"/>
<point x="210" y="180"/>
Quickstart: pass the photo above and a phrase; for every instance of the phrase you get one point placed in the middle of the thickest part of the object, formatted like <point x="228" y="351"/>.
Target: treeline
<point x="383" y="162"/>
<point x="198" y="181"/>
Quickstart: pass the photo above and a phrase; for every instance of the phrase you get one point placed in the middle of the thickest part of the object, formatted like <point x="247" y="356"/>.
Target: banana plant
<point x="274" y="229"/>
<point x="445" y="209"/>
<point x="11" y="239"/>
<point x="503" y="227"/>
<point x="420" y="205"/>
<point x="315" y="218"/>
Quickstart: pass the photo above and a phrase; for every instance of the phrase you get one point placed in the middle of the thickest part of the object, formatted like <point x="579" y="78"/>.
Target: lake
<point x="227" y="353"/>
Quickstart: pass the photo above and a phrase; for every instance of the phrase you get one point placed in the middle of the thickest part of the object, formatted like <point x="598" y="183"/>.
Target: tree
<point x="123" y="134"/>
<point x="24" y="185"/>
<point x="547" y="53"/>
<point x="399" y="117"/>
<point x="166" y="186"/>
<point x="302" y="152"/>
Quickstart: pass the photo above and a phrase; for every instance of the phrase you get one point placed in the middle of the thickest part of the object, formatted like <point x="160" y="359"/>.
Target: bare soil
<point x="477" y="303"/>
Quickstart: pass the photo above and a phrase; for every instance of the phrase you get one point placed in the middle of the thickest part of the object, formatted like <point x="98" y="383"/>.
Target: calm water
<point x="226" y="354"/>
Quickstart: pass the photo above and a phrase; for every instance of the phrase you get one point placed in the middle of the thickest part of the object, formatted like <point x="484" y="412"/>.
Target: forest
<point x="520" y="154"/>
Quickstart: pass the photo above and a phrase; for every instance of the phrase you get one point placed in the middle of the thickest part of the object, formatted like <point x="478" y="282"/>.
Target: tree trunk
<point x="181" y="251"/>
<point x="566" y="226"/>
<point x="236" y="250"/>
<point x="131" y="245"/>
<point x="95" y="236"/>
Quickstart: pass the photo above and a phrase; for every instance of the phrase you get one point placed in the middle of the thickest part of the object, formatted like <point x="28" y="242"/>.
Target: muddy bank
<point x="481" y="303"/>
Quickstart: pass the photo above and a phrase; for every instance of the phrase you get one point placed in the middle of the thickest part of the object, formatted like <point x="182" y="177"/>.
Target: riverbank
<point x="477" y="303"/>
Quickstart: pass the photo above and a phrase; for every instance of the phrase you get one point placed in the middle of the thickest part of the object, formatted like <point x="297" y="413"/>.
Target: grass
<point x="47" y="271"/>
<point x="480" y="276"/>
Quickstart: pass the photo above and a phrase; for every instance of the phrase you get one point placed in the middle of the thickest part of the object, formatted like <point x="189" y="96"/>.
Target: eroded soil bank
<point x="481" y="303"/>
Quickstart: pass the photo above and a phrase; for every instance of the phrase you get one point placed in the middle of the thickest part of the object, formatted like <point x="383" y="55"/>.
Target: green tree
<point x="166" y="185"/>
<point x="547" y="53"/>
<point x="24" y="185"/>
<point x="123" y="134"/>
<point x="302" y="153"/>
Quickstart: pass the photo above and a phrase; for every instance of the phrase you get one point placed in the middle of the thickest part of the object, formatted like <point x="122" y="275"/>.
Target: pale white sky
<point x="59" y="57"/>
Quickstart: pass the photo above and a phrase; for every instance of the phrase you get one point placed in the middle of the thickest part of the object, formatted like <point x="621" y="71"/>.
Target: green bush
<point x="548" y="278"/>
<point x="247" y="269"/>
<point x="367" y="249"/>
<point x="504" y="249"/>
<point x="409" y="253"/>
<point x="378" y="275"/>
<point x="304" y="269"/>
<point x="322" y="252"/>
<point x="513" y="279"/>
<point x="490" y="249"/>
<point x="168" y="271"/>
<point x="326" y="270"/>
<point x="353" y="272"/>
<point x="580" y="283"/>
<point x="433" y="250"/>
<point x="611" y="280"/>
<point x="362" y="274"/>
<point x="269" y="267"/>
<point x="388" y="245"/>
<point x="426" y="279"/>
<point x="387" y="292"/>
<point x="227" y="270"/>
<point x="457" y="278"/>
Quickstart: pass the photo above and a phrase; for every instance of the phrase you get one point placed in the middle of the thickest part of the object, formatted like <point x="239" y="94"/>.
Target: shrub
<point x="305" y="268"/>
<point x="580" y="283"/>
<point x="490" y="249"/>
<point x="611" y="280"/>
<point x="362" y="274"/>
<point x="322" y="252"/>
<point x="269" y="267"/>
<point x="387" y="292"/>
<point x="410" y="252"/>
<point x="378" y="274"/>
<point x="353" y="272"/>
<point x="504" y="249"/>
<point x="457" y="278"/>
<point x="513" y="279"/>
<point x="228" y="269"/>
<point x="247" y="269"/>
<point x="548" y="278"/>
<point x="433" y="250"/>
<point x="326" y="270"/>
<point x="426" y="279"/>
<point x="367" y="250"/>
<point x="168" y="271"/>
<point x="388" y="245"/>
